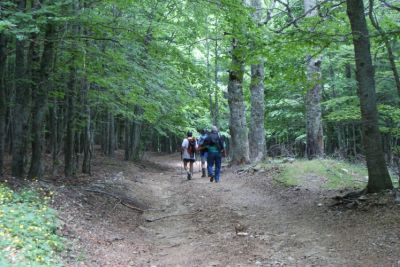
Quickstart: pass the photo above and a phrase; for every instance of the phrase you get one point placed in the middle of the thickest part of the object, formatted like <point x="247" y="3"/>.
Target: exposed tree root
<point x="122" y="201"/>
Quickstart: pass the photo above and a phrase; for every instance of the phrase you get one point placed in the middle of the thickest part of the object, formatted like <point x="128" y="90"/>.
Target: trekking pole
<point x="199" y="164"/>
<point x="181" y="165"/>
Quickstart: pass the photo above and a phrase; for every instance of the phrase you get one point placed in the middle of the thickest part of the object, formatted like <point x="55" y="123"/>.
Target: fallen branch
<point x="116" y="197"/>
<point x="173" y="215"/>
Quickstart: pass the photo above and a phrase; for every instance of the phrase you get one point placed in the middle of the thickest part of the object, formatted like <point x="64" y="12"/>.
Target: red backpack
<point x="191" y="146"/>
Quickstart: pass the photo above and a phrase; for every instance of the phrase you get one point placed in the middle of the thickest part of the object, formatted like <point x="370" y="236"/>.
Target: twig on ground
<point x="116" y="197"/>
<point x="173" y="215"/>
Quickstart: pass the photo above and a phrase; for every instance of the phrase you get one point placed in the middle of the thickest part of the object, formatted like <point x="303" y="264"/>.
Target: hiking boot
<point x="189" y="176"/>
<point x="203" y="172"/>
<point x="211" y="179"/>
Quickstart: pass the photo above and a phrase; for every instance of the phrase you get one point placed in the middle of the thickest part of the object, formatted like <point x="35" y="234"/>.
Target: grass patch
<point x="28" y="229"/>
<point x="324" y="173"/>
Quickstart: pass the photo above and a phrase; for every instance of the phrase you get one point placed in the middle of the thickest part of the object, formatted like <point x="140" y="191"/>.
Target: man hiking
<point x="203" y="151"/>
<point x="189" y="147"/>
<point x="215" y="149"/>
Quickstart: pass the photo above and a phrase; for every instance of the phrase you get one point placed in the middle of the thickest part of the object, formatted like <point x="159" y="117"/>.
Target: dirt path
<point x="191" y="223"/>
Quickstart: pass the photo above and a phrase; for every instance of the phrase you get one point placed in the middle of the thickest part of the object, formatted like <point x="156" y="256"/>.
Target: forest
<point x="83" y="80"/>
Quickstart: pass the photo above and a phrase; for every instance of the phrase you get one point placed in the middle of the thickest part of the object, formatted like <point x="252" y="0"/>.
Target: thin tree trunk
<point x="87" y="139"/>
<point x="216" y="80"/>
<point x="237" y="119"/>
<point x="54" y="136"/>
<point x="111" y="135"/>
<point x="127" y="139"/>
<point x="135" y="142"/>
<point x="379" y="178"/>
<point x="210" y="89"/>
<point x="3" y="107"/>
<point x="389" y="49"/>
<point x="69" y="140"/>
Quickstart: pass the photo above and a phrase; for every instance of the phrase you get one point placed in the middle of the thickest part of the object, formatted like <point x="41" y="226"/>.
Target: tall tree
<point x="22" y="102"/>
<point x="379" y="178"/>
<point x="3" y="106"/>
<point x="40" y="100"/>
<point x="237" y="120"/>
<point x="257" y="131"/>
<point x="315" y="144"/>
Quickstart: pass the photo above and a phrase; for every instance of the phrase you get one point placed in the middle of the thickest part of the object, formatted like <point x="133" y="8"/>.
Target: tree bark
<point x="127" y="139"/>
<point x="257" y="130"/>
<point x="69" y="168"/>
<point x="379" y="178"/>
<point x="22" y="101"/>
<point x="215" y="118"/>
<point x="87" y="138"/>
<point x="237" y="119"/>
<point x="3" y="107"/>
<point x="111" y="135"/>
<point x="40" y="102"/>
<point x="315" y="145"/>
<point x="135" y="140"/>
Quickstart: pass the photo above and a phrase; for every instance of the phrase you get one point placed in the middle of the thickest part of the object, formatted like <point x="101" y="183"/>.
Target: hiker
<point x="203" y="151"/>
<point x="215" y="149"/>
<point x="189" y="147"/>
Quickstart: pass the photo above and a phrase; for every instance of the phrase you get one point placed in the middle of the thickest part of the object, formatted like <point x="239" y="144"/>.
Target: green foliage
<point x="342" y="109"/>
<point x="27" y="229"/>
<point x="324" y="173"/>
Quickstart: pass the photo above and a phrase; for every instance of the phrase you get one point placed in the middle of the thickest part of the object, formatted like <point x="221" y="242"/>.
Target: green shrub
<point x="27" y="229"/>
<point x="324" y="173"/>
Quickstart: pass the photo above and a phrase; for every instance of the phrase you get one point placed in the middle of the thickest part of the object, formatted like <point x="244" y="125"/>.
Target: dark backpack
<point x="215" y="140"/>
<point x="191" y="146"/>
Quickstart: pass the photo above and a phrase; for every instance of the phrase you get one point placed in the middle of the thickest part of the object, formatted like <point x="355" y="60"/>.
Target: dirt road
<point x="192" y="223"/>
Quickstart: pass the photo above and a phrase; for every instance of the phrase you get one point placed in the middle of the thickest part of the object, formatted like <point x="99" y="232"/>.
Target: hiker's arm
<point x="221" y="143"/>
<point x="184" y="145"/>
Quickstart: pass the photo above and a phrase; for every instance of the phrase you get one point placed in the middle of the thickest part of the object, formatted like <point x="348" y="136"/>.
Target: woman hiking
<point x="189" y="147"/>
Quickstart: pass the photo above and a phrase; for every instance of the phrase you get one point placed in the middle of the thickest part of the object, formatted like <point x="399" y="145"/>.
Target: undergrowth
<point x="326" y="173"/>
<point x="28" y="229"/>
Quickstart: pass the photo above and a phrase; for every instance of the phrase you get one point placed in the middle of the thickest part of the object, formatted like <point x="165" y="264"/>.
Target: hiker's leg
<point x="210" y="165"/>
<point x="185" y="164"/>
<point x="218" y="160"/>
<point x="210" y="162"/>
<point x="203" y="157"/>
<point x="191" y="166"/>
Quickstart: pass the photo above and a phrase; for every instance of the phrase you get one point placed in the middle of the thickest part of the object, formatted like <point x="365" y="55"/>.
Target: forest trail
<point x="192" y="223"/>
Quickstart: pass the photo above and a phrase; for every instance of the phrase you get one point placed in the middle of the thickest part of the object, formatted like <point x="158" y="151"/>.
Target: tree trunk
<point x="389" y="49"/>
<point x="21" y="109"/>
<point x="87" y="138"/>
<point x="215" y="119"/>
<point x="127" y="139"/>
<point x="54" y="136"/>
<point x="237" y="119"/>
<point x="135" y="140"/>
<point x="379" y="178"/>
<point x="3" y="107"/>
<point x="315" y="145"/>
<point x="111" y="135"/>
<point x="40" y="102"/>
<point x="257" y="130"/>
<point x="69" y="169"/>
